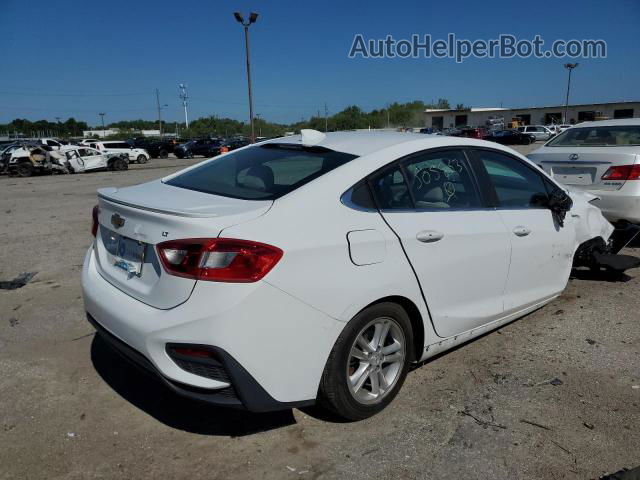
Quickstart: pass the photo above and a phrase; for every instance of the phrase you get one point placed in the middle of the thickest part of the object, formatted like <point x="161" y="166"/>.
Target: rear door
<point x="92" y="159"/>
<point x="541" y="249"/>
<point x="459" y="250"/>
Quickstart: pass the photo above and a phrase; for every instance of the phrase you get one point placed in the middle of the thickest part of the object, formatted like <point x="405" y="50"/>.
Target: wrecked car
<point x="317" y="268"/>
<point x="33" y="159"/>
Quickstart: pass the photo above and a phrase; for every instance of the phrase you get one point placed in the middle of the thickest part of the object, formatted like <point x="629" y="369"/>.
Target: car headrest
<point x="259" y="177"/>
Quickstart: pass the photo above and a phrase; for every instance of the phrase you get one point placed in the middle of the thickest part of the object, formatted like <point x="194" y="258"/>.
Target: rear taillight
<point x="94" y="220"/>
<point x="218" y="259"/>
<point x="622" y="172"/>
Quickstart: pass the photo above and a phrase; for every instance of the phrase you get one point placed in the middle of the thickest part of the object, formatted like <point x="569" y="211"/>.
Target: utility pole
<point x="570" y="67"/>
<point x="102" y="116"/>
<point x="388" y="123"/>
<point x="259" y="124"/>
<point x="159" y="111"/>
<point x="326" y="113"/>
<point x="252" y="18"/>
<point x="159" y="115"/>
<point x="183" y="95"/>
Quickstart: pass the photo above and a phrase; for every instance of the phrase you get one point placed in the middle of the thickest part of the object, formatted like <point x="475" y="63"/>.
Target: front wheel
<point x="369" y="362"/>
<point x="163" y="153"/>
<point x="24" y="169"/>
<point x="141" y="159"/>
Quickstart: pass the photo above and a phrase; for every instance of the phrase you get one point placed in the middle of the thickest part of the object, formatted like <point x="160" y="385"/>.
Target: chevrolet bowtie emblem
<point x="117" y="221"/>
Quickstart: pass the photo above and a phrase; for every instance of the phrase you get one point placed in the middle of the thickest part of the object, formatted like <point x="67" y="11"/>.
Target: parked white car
<point x="319" y="267"/>
<point x="539" y="131"/>
<point x="138" y="155"/>
<point x="602" y="158"/>
<point x="84" y="159"/>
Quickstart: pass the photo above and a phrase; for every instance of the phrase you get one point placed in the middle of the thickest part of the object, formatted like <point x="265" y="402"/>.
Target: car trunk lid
<point x="133" y="220"/>
<point x="583" y="168"/>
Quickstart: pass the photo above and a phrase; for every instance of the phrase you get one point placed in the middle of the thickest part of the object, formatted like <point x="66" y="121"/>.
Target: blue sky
<point x="70" y="58"/>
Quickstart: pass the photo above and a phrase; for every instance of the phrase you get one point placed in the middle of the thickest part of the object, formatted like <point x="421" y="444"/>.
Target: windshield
<point x="264" y="172"/>
<point x="616" y="136"/>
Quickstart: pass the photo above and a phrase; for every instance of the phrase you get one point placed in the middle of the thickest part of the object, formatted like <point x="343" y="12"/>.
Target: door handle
<point x="428" y="236"/>
<point x="521" y="231"/>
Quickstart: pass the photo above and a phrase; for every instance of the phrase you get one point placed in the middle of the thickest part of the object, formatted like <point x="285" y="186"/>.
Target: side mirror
<point x="559" y="203"/>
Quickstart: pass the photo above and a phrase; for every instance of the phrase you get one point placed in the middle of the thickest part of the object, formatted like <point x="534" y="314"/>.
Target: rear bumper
<point x="243" y="392"/>
<point x="622" y="204"/>
<point x="273" y="346"/>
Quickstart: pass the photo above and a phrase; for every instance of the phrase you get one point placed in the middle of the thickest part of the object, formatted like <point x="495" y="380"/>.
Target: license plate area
<point x="125" y="253"/>
<point x="574" y="175"/>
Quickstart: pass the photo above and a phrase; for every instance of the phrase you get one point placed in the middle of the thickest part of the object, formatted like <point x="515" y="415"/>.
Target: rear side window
<point x="264" y="172"/>
<point x="598" y="137"/>
<point x="441" y="180"/>
<point x="516" y="185"/>
<point x="390" y="190"/>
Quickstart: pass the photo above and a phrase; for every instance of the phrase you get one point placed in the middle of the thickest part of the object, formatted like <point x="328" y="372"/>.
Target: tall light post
<point x="570" y="67"/>
<point x="184" y="97"/>
<point x="102" y="116"/>
<point x="252" y="19"/>
<point x="159" y="110"/>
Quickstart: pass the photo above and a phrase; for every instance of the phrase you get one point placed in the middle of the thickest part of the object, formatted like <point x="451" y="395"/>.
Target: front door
<point x="541" y="249"/>
<point x="458" y="249"/>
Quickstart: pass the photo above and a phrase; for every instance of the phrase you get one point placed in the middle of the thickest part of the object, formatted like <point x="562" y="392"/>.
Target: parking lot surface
<point x="553" y="395"/>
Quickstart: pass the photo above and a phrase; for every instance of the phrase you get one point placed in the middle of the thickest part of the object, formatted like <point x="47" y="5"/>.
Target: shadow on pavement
<point x="599" y="276"/>
<point x="152" y="397"/>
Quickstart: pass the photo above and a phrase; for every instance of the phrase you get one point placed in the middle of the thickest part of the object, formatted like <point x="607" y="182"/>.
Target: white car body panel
<point x="132" y="153"/>
<point x="337" y="260"/>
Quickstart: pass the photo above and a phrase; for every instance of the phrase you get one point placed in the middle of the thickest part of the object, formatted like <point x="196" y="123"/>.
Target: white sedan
<point x="602" y="158"/>
<point x="317" y="268"/>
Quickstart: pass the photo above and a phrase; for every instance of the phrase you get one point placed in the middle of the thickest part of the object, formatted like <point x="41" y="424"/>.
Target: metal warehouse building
<point x="476" y="117"/>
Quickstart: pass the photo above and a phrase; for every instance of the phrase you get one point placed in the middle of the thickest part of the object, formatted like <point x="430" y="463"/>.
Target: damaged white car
<point x="318" y="268"/>
<point x="32" y="159"/>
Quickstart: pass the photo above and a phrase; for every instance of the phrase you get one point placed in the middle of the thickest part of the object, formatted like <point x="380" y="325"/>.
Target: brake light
<point x="94" y="220"/>
<point x="218" y="259"/>
<point x="622" y="172"/>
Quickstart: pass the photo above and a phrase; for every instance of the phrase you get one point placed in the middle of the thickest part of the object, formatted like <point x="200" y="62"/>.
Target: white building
<point x="100" y="133"/>
<point x="478" y="117"/>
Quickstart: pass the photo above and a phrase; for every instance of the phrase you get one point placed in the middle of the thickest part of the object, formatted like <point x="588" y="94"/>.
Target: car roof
<point x="362" y="143"/>
<point x="611" y="123"/>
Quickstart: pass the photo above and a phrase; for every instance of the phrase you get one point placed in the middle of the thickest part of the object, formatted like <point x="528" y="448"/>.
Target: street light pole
<point x="252" y="18"/>
<point x="102" y="116"/>
<point x="570" y="67"/>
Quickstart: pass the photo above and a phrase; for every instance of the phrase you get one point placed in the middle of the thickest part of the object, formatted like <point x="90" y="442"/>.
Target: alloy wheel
<point x="376" y="360"/>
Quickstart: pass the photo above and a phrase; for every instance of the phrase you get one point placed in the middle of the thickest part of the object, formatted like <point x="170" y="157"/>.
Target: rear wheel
<point x="163" y="153"/>
<point x="24" y="169"/>
<point x="526" y="141"/>
<point x="369" y="362"/>
<point x="141" y="159"/>
<point x="119" y="164"/>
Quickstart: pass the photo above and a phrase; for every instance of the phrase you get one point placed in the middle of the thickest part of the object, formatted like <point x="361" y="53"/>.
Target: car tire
<point x="24" y="169"/>
<point x="142" y="159"/>
<point x="163" y="154"/>
<point x="359" y="380"/>
<point x="526" y="141"/>
<point x="119" y="164"/>
<point x="189" y="154"/>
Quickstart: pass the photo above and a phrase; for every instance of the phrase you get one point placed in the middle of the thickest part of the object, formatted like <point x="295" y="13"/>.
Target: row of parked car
<point x="47" y="155"/>
<point x="523" y="135"/>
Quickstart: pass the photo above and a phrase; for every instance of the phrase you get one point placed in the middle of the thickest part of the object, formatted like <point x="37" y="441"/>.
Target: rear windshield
<point x="628" y="135"/>
<point x="264" y="172"/>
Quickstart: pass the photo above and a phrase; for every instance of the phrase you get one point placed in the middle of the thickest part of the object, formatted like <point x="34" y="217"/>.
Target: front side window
<point x="264" y="172"/>
<point x="628" y="135"/>
<point x="441" y="180"/>
<point x="516" y="185"/>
